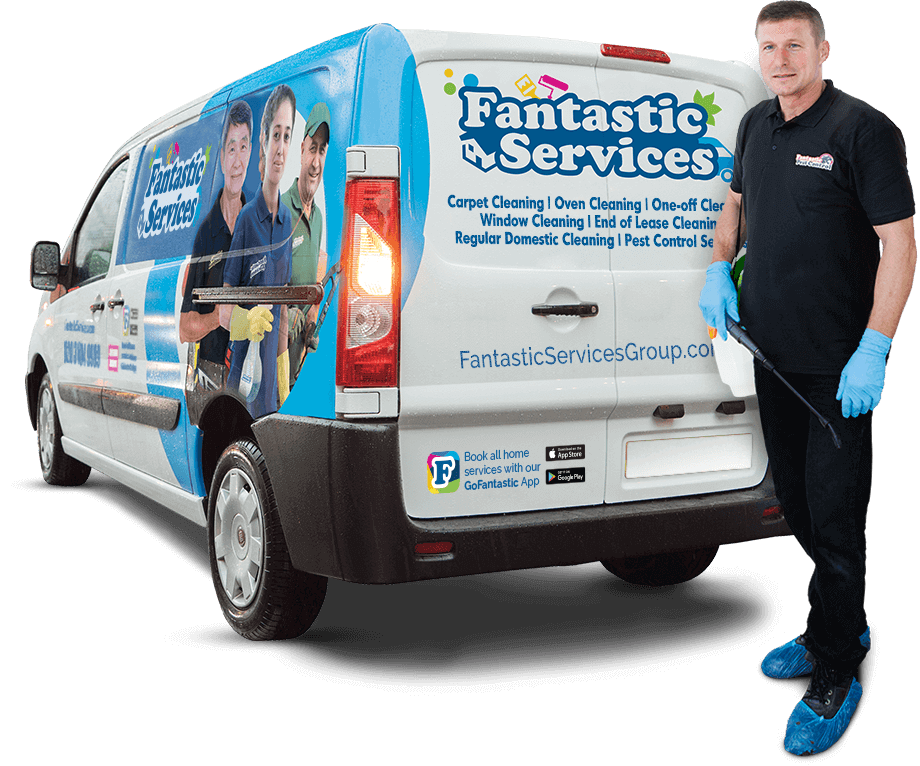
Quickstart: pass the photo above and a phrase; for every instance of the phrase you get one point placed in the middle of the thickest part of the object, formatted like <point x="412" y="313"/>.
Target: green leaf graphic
<point x="709" y="104"/>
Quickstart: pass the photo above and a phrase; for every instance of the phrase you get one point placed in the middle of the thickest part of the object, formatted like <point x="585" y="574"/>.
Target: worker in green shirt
<point x="308" y="259"/>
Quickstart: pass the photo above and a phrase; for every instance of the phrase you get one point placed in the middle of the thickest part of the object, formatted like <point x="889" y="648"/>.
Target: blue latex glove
<point x="862" y="379"/>
<point x="719" y="297"/>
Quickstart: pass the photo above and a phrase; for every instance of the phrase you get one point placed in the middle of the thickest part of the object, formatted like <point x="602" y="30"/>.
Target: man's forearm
<point x="726" y="237"/>
<point x="895" y="275"/>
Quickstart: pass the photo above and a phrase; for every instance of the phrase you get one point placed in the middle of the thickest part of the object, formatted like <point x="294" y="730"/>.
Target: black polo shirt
<point x="212" y="240"/>
<point x="813" y="188"/>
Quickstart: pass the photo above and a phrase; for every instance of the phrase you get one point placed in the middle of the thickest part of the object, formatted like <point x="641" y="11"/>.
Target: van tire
<point x="58" y="468"/>
<point x="262" y="596"/>
<point x="660" y="569"/>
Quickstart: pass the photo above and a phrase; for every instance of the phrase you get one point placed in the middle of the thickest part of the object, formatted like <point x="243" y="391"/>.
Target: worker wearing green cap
<point x="308" y="259"/>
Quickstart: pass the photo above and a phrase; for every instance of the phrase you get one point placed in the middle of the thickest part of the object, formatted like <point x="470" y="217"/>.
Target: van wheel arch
<point x="223" y="422"/>
<point x="33" y="384"/>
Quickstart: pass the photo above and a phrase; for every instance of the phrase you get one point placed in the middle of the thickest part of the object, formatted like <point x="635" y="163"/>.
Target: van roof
<point x="430" y="45"/>
<point x="435" y="45"/>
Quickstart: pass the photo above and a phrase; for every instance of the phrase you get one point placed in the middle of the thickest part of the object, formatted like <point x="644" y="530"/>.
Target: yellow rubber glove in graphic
<point x="250" y="324"/>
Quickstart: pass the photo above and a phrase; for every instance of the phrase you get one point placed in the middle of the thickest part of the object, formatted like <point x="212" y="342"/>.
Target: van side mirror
<point x="46" y="260"/>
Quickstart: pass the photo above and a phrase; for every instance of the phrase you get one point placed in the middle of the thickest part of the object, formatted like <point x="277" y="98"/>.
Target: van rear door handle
<point x="565" y="309"/>
<point x="99" y="305"/>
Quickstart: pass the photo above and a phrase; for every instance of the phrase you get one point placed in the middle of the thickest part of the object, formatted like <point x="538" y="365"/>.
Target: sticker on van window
<point x="173" y="191"/>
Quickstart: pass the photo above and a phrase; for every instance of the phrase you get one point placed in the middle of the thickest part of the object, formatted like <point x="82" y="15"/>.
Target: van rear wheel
<point x="660" y="569"/>
<point x="262" y="596"/>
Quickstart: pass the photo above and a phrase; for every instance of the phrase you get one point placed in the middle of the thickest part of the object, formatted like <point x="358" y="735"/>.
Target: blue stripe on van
<point x="164" y="369"/>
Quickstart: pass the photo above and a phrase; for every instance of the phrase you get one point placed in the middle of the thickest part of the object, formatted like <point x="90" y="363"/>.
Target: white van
<point x="468" y="266"/>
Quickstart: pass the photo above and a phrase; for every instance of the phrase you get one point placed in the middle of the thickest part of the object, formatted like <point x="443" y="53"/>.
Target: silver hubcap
<point x="238" y="538"/>
<point x="46" y="429"/>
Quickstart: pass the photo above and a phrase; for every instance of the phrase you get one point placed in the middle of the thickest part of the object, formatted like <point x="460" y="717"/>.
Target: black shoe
<point x="828" y="690"/>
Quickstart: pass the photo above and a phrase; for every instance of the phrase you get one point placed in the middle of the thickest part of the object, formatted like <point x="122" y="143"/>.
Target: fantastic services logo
<point x="172" y="196"/>
<point x="651" y="137"/>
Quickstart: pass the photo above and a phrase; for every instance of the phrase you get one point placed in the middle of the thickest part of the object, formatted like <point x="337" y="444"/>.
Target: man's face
<point x="790" y="56"/>
<point x="312" y="162"/>
<point x="234" y="158"/>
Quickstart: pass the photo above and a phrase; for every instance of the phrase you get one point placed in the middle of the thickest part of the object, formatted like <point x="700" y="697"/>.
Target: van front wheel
<point x="262" y="596"/>
<point x="57" y="466"/>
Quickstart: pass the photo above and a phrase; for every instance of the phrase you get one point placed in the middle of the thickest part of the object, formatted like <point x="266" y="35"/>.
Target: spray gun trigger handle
<point x="734" y="329"/>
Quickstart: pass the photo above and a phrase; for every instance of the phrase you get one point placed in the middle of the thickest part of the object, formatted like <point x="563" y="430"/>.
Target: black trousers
<point x="824" y="492"/>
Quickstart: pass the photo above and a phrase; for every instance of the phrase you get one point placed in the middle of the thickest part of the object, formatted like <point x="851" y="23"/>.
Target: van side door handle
<point x="99" y="305"/>
<point x="113" y="302"/>
<point x="565" y="309"/>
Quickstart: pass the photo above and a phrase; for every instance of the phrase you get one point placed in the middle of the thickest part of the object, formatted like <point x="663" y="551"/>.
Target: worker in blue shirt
<point x="260" y="255"/>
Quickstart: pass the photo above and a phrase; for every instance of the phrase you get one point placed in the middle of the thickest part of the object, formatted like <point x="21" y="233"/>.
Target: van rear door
<point x="551" y="337"/>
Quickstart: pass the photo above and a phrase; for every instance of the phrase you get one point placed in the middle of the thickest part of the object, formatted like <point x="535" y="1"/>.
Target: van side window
<point x="96" y="238"/>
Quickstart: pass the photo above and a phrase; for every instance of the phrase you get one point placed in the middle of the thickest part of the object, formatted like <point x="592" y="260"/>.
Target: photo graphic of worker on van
<point x="308" y="259"/>
<point x="199" y="324"/>
<point x="260" y="255"/>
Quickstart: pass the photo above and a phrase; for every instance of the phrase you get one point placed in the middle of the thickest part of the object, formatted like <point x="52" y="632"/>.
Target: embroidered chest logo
<point x="824" y="162"/>
<point x="258" y="267"/>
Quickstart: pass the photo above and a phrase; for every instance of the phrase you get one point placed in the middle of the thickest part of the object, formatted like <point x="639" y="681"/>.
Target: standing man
<point x="820" y="179"/>
<point x="308" y="261"/>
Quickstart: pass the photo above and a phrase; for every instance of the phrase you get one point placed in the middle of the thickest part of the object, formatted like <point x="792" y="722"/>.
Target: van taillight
<point x="368" y="333"/>
<point x="637" y="54"/>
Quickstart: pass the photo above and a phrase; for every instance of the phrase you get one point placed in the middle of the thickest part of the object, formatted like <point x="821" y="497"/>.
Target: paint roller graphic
<point x="553" y="84"/>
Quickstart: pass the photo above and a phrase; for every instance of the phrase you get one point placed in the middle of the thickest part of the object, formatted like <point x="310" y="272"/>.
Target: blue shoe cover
<point x="788" y="661"/>
<point x="807" y="732"/>
<point x="792" y="660"/>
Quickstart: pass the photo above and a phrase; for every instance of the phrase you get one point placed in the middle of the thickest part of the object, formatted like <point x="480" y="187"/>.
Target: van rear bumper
<point x="337" y="486"/>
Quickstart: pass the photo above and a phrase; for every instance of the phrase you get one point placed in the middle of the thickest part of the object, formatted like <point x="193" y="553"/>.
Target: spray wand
<point x="734" y="329"/>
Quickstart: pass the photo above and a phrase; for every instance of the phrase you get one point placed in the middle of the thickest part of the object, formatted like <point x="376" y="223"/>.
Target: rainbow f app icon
<point x="443" y="472"/>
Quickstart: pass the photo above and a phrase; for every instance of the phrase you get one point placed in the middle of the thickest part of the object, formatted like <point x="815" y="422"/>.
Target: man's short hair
<point x="239" y="114"/>
<point x="792" y="9"/>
